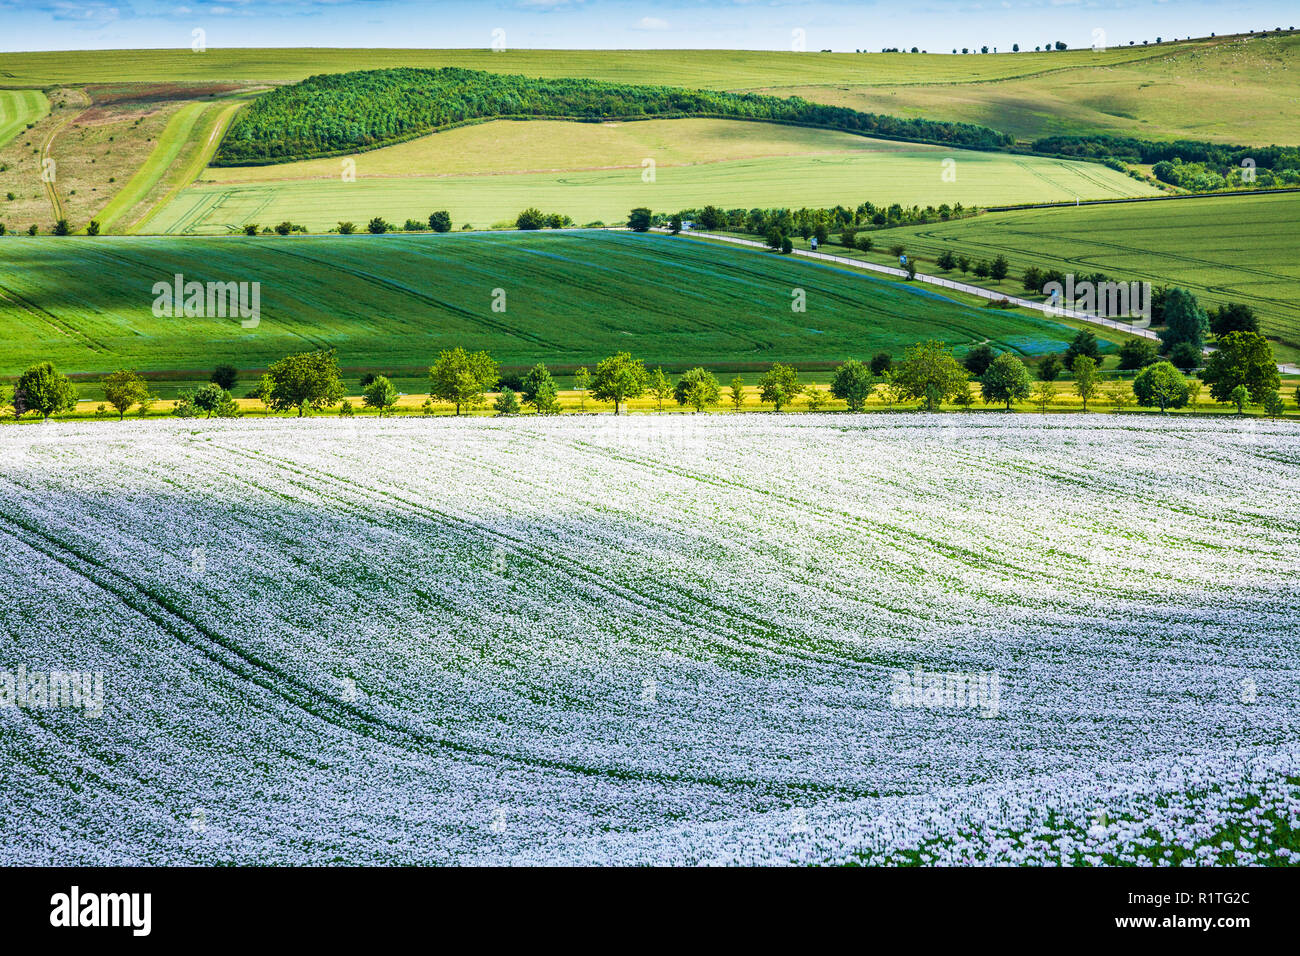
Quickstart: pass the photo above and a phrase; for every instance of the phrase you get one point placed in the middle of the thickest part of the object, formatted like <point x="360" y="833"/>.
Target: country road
<point x="983" y="293"/>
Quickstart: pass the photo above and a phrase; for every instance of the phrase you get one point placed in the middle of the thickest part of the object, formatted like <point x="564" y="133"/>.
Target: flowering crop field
<point x="656" y="639"/>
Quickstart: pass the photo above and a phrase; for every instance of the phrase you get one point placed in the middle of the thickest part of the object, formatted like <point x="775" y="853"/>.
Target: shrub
<point x="530" y="218"/>
<point x="1137" y="353"/>
<point x="1160" y="385"/>
<point x="507" y="402"/>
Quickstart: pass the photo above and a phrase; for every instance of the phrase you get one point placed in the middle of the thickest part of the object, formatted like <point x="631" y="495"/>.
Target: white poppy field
<point x="656" y="639"/>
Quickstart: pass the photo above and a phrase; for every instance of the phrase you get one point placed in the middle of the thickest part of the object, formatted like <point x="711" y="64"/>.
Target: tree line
<point x="331" y="114"/>
<point x="1240" y="372"/>
<point x="1194" y="165"/>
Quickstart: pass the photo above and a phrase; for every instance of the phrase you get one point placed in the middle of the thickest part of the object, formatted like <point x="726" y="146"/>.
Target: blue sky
<point x="934" y="25"/>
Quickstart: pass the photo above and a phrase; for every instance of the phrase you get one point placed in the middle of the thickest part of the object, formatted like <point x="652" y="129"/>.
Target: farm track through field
<point x="50" y="182"/>
<point x="1209" y="246"/>
<point x="203" y="153"/>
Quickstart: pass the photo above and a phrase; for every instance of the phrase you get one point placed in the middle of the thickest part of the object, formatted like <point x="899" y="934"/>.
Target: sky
<point x="842" y="25"/>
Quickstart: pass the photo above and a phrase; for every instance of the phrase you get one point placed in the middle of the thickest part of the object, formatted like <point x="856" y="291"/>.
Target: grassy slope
<point x="833" y="169"/>
<point x="1235" y="91"/>
<point x="114" y="155"/>
<point x="194" y="130"/>
<point x="506" y="146"/>
<point x="712" y="69"/>
<point x="1078" y="90"/>
<point x="1240" y="248"/>
<point x="17" y="109"/>
<point x="394" y="301"/>
<point x="1227" y="88"/>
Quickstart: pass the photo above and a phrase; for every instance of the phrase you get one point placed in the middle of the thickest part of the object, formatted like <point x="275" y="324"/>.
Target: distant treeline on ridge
<point x="1189" y="151"/>
<point x="338" y="113"/>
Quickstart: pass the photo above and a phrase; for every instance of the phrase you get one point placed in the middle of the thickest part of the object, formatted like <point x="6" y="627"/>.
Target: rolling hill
<point x="485" y="174"/>
<point x="1224" y="249"/>
<point x="394" y="301"/>
<point x="1146" y="91"/>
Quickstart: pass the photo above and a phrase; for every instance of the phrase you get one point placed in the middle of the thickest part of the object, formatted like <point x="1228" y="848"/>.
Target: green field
<point x="1229" y="249"/>
<point x="394" y="301"/>
<point x="1235" y="89"/>
<point x="835" y="168"/>
<point x="1228" y="89"/>
<point x="712" y="69"/>
<point x="198" y="124"/>
<point x="17" y="109"/>
<point x="1232" y="90"/>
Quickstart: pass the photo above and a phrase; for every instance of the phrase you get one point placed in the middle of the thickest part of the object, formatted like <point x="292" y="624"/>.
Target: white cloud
<point x="650" y="23"/>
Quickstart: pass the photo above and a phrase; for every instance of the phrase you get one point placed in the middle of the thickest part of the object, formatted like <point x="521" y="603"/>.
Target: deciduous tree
<point x="1160" y="385"/>
<point x="1240" y="358"/>
<point x="42" y="389"/>
<point x="930" y="373"/>
<point x="978" y="358"/>
<point x="618" y="378"/>
<point x="660" y="387"/>
<point x="460" y="378"/>
<point x="539" y="390"/>
<point x="853" y="384"/>
<point x="779" y="386"/>
<point x="308" y="380"/>
<point x="380" y="395"/>
<point x="697" y="388"/>
<point x="124" y="388"/>
<point x="507" y="402"/>
<point x="582" y="384"/>
<point x="737" y="396"/>
<point x="1006" y="380"/>
<point x="1185" y="320"/>
<point x="1083" y="343"/>
<point x="1087" y="383"/>
<point x="225" y="375"/>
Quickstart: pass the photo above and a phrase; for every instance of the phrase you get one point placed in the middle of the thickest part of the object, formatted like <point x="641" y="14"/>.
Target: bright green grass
<point x="17" y="109"/>
<point x="394" y="301"/>
<point x="193" y="120"/>
<point x="910" y="177"/>
<point x="1230" y="249"/>
<point x="713" y="69"/>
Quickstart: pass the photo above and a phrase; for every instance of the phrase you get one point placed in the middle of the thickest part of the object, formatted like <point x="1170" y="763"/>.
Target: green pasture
<point x="712" y="69"/>
<point x="17" y="109"/>
<point x="393" y="302"/>
<point x="912" y="176"/>
<point x="1229" y="90"/>
<point x="200" y="123"/>
<point x="1225" y="249"/>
